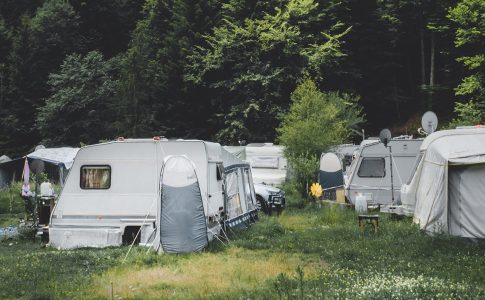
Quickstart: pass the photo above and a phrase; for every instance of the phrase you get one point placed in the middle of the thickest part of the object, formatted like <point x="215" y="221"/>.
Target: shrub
<point x="315" y="122"/>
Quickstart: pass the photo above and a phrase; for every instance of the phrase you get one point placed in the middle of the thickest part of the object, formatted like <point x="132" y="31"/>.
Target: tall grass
<point x="310" y="253"/>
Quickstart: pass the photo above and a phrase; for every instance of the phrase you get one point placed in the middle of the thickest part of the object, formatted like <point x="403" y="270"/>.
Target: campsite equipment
<point x="330" y="175"/>
<point x="360" y="204"/>
<point x="370" y="175"/>
<point x="368" y="219"/>
<point x="114" y="193"/>
<point x="447" y="189"/>
<point x="55" y="160"/>
<point x="385" y="137"/>
<point x="182" y="217"/>
<point x="429" y="122"/>
<point x="240" y="196"/>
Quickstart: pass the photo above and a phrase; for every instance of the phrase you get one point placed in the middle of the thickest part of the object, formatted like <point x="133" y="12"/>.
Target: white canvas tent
<point x="369" y="174"/>
<point x="448" y="187"/>
<point x="113" y="191"/>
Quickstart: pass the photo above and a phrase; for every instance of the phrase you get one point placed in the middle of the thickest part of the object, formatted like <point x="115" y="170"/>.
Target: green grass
<point x="308" y="253"/>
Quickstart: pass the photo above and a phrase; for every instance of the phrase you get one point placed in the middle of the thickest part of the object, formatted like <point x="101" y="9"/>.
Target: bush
<point x="315" y="122"/>
<point x="10" y="200"/>
<point x="293" y="196"/>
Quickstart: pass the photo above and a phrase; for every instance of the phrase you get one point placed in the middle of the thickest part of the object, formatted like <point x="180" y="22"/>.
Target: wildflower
<point x="316" y="190"/>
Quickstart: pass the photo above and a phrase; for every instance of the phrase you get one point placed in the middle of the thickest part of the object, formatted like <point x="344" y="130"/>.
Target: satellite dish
<point x="385" y="136"/>
<point x="37" y="166"/>
<point x="429" y="122"/>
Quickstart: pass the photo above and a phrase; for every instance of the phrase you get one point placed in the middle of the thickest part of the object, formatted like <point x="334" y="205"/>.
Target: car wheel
<point x="261" y="204"/>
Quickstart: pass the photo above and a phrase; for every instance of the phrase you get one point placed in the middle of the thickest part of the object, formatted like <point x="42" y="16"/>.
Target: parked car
<point x="269" y="198"/>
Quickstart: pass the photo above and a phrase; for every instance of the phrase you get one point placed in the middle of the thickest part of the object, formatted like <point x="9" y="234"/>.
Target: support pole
<point x="392" y="178"/>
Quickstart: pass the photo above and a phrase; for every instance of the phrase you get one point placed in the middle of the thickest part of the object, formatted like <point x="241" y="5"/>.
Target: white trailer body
<point x="370" y="173"/>
<point x="113" y="190"/>
<point x="268" y="163"/>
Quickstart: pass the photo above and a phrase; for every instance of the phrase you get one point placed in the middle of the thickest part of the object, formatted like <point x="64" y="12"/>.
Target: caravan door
<point x="216" y="188"/>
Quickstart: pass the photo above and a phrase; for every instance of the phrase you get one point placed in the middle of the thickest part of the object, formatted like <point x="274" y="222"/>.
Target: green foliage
<point x="254" y="65"/>
<point x="335" y="261"/>
<point x="32" y="271"/>
<point x="10" y="200"/>
<point x="85" y="86"/>
<point x="467" y="114"/>
<point x="226" y="70"/>
<point x="315" y="122"/>
<point x="470" y="34"/>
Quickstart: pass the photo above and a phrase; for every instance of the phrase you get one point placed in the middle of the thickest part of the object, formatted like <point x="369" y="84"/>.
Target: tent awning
<point x="57" y="156"/>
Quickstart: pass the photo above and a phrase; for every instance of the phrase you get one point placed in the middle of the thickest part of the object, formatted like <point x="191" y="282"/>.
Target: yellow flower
<point x="316" y="190"/>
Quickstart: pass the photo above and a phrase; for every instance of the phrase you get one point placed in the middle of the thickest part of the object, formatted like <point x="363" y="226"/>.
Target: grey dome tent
<point x="183" y="227"/>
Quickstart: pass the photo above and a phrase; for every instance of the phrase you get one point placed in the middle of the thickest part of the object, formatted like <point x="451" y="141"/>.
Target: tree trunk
<point x="431" y="70"/>
<point x="423" y="71"/>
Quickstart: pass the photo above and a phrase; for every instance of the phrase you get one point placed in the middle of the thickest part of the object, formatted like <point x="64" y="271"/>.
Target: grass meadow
<point x="304" y="253"/>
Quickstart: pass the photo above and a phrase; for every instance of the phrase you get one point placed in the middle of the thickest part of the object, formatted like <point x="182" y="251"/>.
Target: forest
<point x="76" y="72"/>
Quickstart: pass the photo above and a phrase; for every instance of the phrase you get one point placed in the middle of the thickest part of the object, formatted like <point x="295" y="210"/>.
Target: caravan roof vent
<point x="120" y="139"/>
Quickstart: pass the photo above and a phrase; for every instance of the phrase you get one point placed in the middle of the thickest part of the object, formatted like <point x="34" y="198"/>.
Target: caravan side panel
<point x="97" y="217"/>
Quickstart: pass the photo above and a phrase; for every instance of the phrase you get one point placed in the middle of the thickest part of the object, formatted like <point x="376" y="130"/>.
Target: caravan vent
<point x="120" y="139"/>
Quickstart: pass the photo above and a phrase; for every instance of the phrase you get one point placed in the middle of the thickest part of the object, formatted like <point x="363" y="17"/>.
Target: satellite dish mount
<point x="385" y="136"/>
<point x="429" y="122"/>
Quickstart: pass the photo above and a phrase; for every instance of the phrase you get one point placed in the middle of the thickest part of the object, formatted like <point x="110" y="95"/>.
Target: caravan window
<point x="372" y="167"/>
<point x="220" y="172"/>
<point x="95" y="177"/>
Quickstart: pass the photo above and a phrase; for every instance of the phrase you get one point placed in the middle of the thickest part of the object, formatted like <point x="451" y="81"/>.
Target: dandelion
<point x="316" y="190"/>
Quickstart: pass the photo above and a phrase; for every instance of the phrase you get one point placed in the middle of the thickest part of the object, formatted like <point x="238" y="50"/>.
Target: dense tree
<point x="253" y="67"/>
<point x="224" y="70"/>
<point x="38" y="47"/>
<point x="141" y="88"/>
<point x="470" y="36"/>
<point x="80" y="109"/>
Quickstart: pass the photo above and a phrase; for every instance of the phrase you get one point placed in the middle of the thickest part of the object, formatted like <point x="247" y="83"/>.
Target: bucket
<point x="361" y="204"/>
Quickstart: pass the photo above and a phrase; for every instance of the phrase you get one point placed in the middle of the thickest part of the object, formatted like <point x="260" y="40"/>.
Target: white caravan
<point x="447" y="190"/>
<point x="369" y="174"/>
<point x="345" y="152"/>
<point x="113" y="191"/>
<point x="268" y="163"/>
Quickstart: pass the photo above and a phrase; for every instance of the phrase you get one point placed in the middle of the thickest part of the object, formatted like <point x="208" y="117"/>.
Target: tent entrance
<point x="182" y="219"/>
<point x="466" y="204"/>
